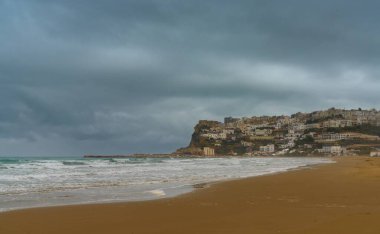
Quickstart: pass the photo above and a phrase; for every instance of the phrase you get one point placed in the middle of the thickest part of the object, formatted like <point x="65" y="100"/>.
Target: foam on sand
<point x="157" y="192"/>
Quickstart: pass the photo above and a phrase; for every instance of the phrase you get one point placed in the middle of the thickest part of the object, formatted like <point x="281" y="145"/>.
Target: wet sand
<point x="336" y="198"/>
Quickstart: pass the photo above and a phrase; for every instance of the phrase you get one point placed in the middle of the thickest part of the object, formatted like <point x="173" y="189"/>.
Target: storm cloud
<point x="116" y="76"/>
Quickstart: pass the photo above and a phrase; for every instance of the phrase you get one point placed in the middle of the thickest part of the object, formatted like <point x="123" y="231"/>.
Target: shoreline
<point x="183" y="190"/>
<point x="187" y="156"/>
<point x="339" y="197"/>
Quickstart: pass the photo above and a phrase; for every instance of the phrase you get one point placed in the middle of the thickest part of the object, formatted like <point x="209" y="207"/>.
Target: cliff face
<point x="202" y="126"/>
<point x="197" y="142"/>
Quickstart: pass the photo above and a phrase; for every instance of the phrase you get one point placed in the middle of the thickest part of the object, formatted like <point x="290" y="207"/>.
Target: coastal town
<point x="332" y="132"/>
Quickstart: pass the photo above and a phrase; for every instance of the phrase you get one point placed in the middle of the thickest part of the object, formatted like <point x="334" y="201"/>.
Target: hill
<point x="326" y="132"/>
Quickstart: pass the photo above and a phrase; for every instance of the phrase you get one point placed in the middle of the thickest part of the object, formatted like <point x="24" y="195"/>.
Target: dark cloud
<point x="135" y="76"/>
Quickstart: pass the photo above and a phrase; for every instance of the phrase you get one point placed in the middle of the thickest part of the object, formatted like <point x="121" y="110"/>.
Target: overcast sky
<point x="116" y="76"/>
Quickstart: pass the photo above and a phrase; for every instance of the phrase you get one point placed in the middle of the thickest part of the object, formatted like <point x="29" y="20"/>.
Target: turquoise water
<point x="36" y="181"/>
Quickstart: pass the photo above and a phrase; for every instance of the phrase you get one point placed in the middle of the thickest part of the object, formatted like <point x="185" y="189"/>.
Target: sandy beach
<point x="335" y="198"/>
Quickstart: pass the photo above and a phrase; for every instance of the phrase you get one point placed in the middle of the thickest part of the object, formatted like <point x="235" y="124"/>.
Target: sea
<point x="27" y="182"/>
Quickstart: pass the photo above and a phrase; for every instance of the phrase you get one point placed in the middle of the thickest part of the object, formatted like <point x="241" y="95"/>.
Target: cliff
<point x="197" y="142"/>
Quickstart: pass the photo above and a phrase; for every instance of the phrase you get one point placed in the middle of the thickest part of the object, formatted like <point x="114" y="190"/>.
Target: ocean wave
<point x="73" y="163"/>
<point x="12" y="161"/>
<point x="130" y="177"/>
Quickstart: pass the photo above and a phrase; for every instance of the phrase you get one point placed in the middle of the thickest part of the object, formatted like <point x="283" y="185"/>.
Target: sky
<point x="134" y="76"/>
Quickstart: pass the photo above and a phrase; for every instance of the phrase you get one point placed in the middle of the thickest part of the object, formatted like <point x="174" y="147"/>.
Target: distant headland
<point x="319" y="133"/>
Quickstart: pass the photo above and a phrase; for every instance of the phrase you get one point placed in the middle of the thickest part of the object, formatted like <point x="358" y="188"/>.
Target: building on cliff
<point x="208" y="151"/>
<point x="375" y="153"/>
<point x="333" y="150"/>
<point x="267" y="148"/>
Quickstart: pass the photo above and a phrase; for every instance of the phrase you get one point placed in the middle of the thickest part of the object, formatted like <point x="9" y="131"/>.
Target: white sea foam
<point x="157" y="192"/>
<point x="27" y="182"/>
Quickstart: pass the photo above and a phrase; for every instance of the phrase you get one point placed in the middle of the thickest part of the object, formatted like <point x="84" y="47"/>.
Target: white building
<point x="333" y="149"/>
<point x="375" y="154"/>
<point x="215" y="136"/>
<point x="335" y="136"/>
<point x="267" y="148"/>
<point x="263" y="132"/>
<point x="298" y="127"/>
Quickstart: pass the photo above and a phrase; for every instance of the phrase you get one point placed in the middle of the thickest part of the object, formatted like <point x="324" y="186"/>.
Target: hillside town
<point x="329" y="132"/>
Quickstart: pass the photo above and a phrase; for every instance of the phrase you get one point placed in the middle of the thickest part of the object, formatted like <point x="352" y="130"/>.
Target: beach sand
<point x="335" y="198"/>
